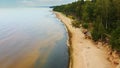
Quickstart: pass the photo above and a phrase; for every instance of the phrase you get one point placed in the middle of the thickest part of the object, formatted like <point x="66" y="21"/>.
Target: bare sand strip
<point x="83" y="52"/>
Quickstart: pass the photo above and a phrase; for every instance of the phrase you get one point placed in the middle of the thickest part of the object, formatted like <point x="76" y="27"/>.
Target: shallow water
<point x="32" y="38"/>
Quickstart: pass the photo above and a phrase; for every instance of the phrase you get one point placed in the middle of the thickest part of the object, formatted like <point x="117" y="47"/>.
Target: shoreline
<point x="82" y="54"/>
<point x="70" y="62"/>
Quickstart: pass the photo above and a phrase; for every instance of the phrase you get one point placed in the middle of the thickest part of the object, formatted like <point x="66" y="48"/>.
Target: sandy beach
<point x="83" y="52"/>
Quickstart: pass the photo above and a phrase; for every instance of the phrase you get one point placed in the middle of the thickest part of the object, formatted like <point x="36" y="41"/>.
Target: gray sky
<point x="5" y="3"/>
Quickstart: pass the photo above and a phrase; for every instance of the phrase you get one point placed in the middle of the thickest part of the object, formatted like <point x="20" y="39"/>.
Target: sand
<point x="83" y="52"/>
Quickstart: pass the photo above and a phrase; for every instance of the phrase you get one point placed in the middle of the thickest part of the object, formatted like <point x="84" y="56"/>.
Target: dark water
<point x="32" y="38"/>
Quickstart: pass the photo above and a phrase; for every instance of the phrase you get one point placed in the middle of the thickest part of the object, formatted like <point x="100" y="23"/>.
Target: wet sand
<point x="83" y="52"/>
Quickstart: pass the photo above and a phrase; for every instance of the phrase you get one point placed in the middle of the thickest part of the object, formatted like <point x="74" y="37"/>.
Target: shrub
<point x="95" y="34"/>
<point x="85" y="25"/>
<point x="115" y="39"/>
<point x="76" y="23"/>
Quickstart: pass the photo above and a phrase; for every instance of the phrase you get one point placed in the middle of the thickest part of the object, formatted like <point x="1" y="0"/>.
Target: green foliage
<point x="115" y="39"/>
<point x="104" y="13"/>
<point x="98" y="30"/>
<point x="72" y="17"/>
<point x="76" y="23"/>
<point x="85" y="25"/>
<point x="88" y="11"/>
<point x="95" y="34"/>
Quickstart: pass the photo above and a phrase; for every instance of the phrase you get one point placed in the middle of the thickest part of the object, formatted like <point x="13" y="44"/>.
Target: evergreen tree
<point x="115" y="39"/>
<point x="103" y="14"/>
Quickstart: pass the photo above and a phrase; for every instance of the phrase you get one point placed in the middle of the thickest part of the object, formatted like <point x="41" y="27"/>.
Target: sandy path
<point x="84" y="53"/>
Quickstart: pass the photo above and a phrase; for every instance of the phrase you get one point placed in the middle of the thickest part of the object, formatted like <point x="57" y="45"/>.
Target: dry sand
<point x="83" y="52"/>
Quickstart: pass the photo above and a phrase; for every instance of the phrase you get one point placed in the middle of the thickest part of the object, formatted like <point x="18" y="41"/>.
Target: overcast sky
<point x="14" y="3"/>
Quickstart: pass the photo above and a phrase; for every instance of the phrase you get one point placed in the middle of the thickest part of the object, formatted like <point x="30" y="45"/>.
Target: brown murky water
<point x="32" y="38"/>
